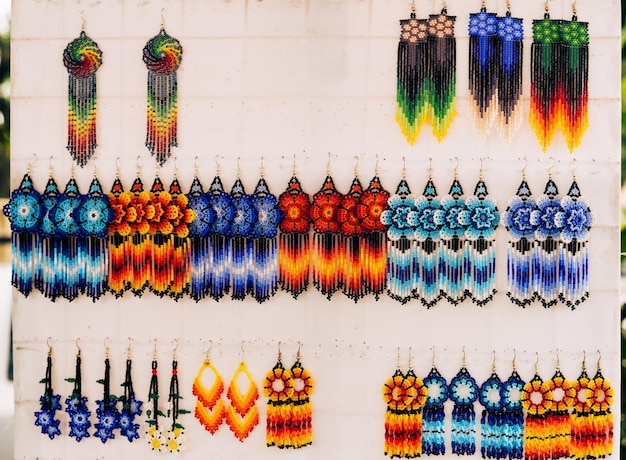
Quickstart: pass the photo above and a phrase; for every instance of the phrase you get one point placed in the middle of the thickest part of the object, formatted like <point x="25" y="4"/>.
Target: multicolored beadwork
<point x="162" y="55"/>
<point x="536" y="398"/>
<point x="210" y="409"/>
<point x="433" y="419"/>
<point x="242" y="415"/>
<point x="107" y="412"/>
<point x="45" y="417"/>
<point x="464" y="392"/>
<point x="76" y="406"/>
<point x="82" y="59"/>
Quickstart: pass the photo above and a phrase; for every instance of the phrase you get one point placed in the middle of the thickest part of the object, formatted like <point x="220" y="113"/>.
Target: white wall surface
<point x="305" y="77"/>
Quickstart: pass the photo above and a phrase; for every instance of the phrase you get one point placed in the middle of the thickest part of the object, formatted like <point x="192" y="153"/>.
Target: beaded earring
<point x="107" y="412"/>
<point x="433" y="422"/>
<point x="49" y="403"/>
<point x="176" y="433"/>
<point x="371" y="205"/>
<point x="351" y="231"/>
<point x="241" y="242"/>
<point x="401" y="244"/>
<point x="45" y="275"/>
<point x="140" y="256"/>
<point x="76" y="404"/>
<point x="536" y="398"/>
<point x="463" y="393"/>
<point x="294" y="251"/>
<point x="492" y="420"/>
<point x="453" y="248"/>
<point x="522" y="247"/>
<point x="242" y="415"/>
<point x="162" y="55"/>
<point x="513" y="429"/>
<point x="483" y="218"/>
<point x="600" y="402"/>
<point x="82" y="59"/>
<point x="119" y="245"/>
<point x="327" y="239"/>
<point x="264" y="257"/>
<point x="131" y="406"/>
<point x="558" y="417"/>
<point x="278" y="387"/>
<point x="153" y="434"/>
<point x="301" y="426"/>
<point x="210" y="409"/>
<point x="25" y="212"/>
<point x="180" y="216"/>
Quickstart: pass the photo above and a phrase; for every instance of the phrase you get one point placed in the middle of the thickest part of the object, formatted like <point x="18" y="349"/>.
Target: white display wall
<point x="275" y="79"/>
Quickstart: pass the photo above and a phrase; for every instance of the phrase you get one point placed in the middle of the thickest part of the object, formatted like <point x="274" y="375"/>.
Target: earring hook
<point x="536" y="362"/>
<point x="293" y="167"/>
<point x="162" y="18"/>
<point x="356" y="166"/>
<point x="480" y="171"/>
<point x="398" y="359"/>
<point x="138" y="164"/>
<point x="328" y="165"/>
<point x="243" y="352"/>
<point x="584" y="366"/>
<point x="376" y="166"/>
<point x="599" y="358"/>
<point x="410" y="358"/>
<point x="444" y="7"/>
<point x="175" y="167"/>
<point x="558" y="360"/>
<point x="430" y="168"/>
<point x="574" y="12"/>
<point x="456" y="167"/>
<point x="298" y="352"/>
<point x="154" y="353"/>
<point x="130" y="341"/>
<point x="207" y="353"/>
<point x="403" y="167"/>
<point x="83" y="23"/>
<point x="195" y="167"/>
<point x="217" y="165"/>
<point x="508" y="6"/>
<point x="524" y="168"/>
<point x="238" y="168"/>
<point x="464" y="358"/>
<point x="574" y="169"/>
<point x="49" y="346"/>
<point x="175" y="348"/>
<point x="106" y="347"/>
<point x="433" y="362"/>
<point x="551" y="167"/>
<point x="262" y="170"/>
<point x="493" y="364"/>
<point x="514" y="358"/>
<point x="280" y="353"/>
<point x="77" y="345"/>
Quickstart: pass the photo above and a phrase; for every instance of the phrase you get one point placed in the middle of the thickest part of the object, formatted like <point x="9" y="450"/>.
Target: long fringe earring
<point x="94" y="215"/>
<point x="484" y="66"/>
<point x="536" y="397"/>
<point x="397" y="398"/>
<point x="264" y="243"/>
<point x="140" y="244"/>
<point x="199" y="230"/>
<point x="582" y="428"/>
<point x="510" y="54"/>
<point x="210" y="409"/>
<point x="453" y="248"/>
<point x="294" y="251"/>
<point x="545" y="269"/>
<point x="301" y="423"/>
<point x="428" y="254"/>
<point x="120" y="274"/>
<point x="575" y="221"/>
<point x="327" y="240"/>
<point x="242" y="415"/>
<point x="45" y="276"/>
<point x="480" y="267"/>
<point x="162" y="55"/>
<point x="351" y="231"/>
<point x="278" y="387"/>
<point x="242" y="227"/>
<point x="412" y="76"/>
<point x="107" y="412"/>
<point x="45" y="417"/>
<point x="522" y="246"/>
<point x="442" y="71"/>
<point x="558" y="417"/>
<point x="76" y="404"/>
<point x="463" y="393"/>
<point x="417" y="393"/>
<point x="25" y="212"/>
<point x="574" y="74"/>
<point x="492" y="420"/>
<point x="159" y="240"/>
<point x="371" y="205"/>
<point x="82" y="59"/>
<point x="400" y="241"/>
<point x="153" y="412"/>
<point x="433" y="422"/>
<point x="180" y="216"/>
<point x="513" y="415"/>
<point x="176" y="433"/>
<point x="600" y="401"/>
<point x="131" y="406"/>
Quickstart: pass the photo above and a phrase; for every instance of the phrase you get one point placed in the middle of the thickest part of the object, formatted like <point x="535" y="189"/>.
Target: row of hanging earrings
<point x="535" y="419"/>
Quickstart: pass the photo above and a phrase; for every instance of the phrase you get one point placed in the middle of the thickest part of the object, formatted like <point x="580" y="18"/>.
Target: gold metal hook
<point x="106" y="347"/>
<point x="398" y="359"/>
<point x="262" y="170"/>
<point x="433" y="362"/>
<point x="138" y="164"/>
<point x="217" y="165"/>
<point x="162" y="18"/>
<point x="293" y="167"/>
<point x="154" y="353"/>
<point x="574" y="12"/>
<point x="49" y="346"/>
<point x="356" y="166"/>
<point x="514" y="358"/>
<point x="480" y="171"/>
<point x="207" y="353"/>
<point x="413" y="7"/>
<point x="551" y="167"/>
<point x="328" y="165"/>
<point x="77" y="345"/>
<point x="536" y="362"/>
<point x="130" y="341"/>
<point x="83" y="23"/>
<point x="50" y="165"/>
<point x="456" y="167"/>
<point x="410" y="358"/>
<point x="238" y="168"/>
<point x="599" y="358"/>
<point x="376" y="166"/>
<point x="444" y="6"/>
<point x="175" y="166"/>
<point x="524" y="168"/>
<point x="403" y="168"/>
<point x="243" y="352"/>
<point x="508" y="6"/>
<point x="298" y="352"/>
<point x="464" y="361"/>
<point x="584" y="360"/>
<point x="493" y="364"/>
<point x="280" y="353"/>
<point x="175" y="348"/>
<point x="574" y="169"/>
<point x="195" y="167"/>
<point x="558" y="360"/>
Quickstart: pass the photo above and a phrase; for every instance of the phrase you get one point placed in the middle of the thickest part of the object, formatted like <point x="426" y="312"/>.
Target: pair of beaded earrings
<point x="110" y="417"/>
<point x="82" y="58"/>
<point x="241" y="416"/>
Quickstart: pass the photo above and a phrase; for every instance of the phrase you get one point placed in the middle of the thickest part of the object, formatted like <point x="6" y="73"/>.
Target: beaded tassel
<point x="521" y="253"/>
<point x="509" y="74"/>
<point x="278" y="387"/>
<point x="45" y="418"/>
<point x="131" y="406"/>
<point x="45" y="275"/>
<point x="601" y="399"/>
<point x="401" y="246"/>
<point x="575" y="221"/>
<point x="241" y="243"/>
<point x="536" y="398"/>
<point x="513" y="429"/>
<point x="294" y="251"/>
<point x="582" y="425"/>
<point x="412" y="76"/>
<point x="433" y="423"/>
<point x="492" y="420"/>
<point x="327" y="241"/>
<point x="107" y="412"/>
<point x="371" y="205"/>
<point x="558" y="417"/>
<point x="199" y="230"/>
<point x="464" y="393"/>
<point x="441" y="72"/>
<point x="93" y="215"/>
<point x="429" y="256"/>
<point x="479" y="268"/>
<point x="301" y="422"/>
<point x="180" y="216"/>
<point x="76" y="406"/>
<point x="484" y="68"/>
<point x="264" y="243"/>
<point x="574" y="74"/>
<point x="140" y="249"/>
<point x="545" y="267"/>
<point x="352" y="230"/>
<point x="162" y="56"/>
<point x="219" y="269"/>
<point x="81" y="58"/>
<point x="120" y="274"/>
<point x="175" y="435"/>
<point x="453" y="248"/>
<point x="64" y="245"/>
<point x="25" y="211"/>
<point x="160" y="241"/>
<point x="153" y="433"/>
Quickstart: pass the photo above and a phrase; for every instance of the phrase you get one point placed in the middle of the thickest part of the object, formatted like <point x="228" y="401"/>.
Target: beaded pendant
<point x="536" y="398"/>
<point x="241" y="242"/>
<point x="433" y="423"/>
<point x="76" y="406"/>
<point x="45" y="417"/>
<point x="464" y="393"/>
<point x="351" y="252"/>
<point x="107" y="412"/>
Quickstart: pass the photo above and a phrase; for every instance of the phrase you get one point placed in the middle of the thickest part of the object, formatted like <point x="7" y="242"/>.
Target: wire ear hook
<point x="584" y="366"/>
<point x="356" y="166"/>
<point x="130" y="341"/>
<point x="280" y="353"/>
<point x="456" y="167"/>
<point x="536" y="362"/>
<point x="262" y="169"/>
<point x="551" y="167"/>
<point x="106" y="347"/>
<point x="238" y="168"/>
<point x="403" y="167"/>
<point x="493" y="364"/>
<point x="558" y="360"/>
<point x="174" y="351"/>
<point x="162" y="18"/>
<point x="464" y="358"/>
<point x="175" y="167"/>
<point x="376" y="166"/>
<point x="293" y="167"/>
<point x="207" y="353"/>
<point x="328" y="165"/>
<point x="514" y="358"/>
<point x="83" y="23"/>
<point x="138" y="164"/>
<point x="599" y="358"/>
<point x="298" y="352"/>
<point x="49" y="346"/>
<point x="398" y="359"/>
<point x="433" y="361"/>
<point x="574" y="12"/>
<point x="243" y="352"/>
<point x="524" y="168"/>
<point x="196" y="171"/>
<point x="154" y="353"/>
<point x="77" y="345"/>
